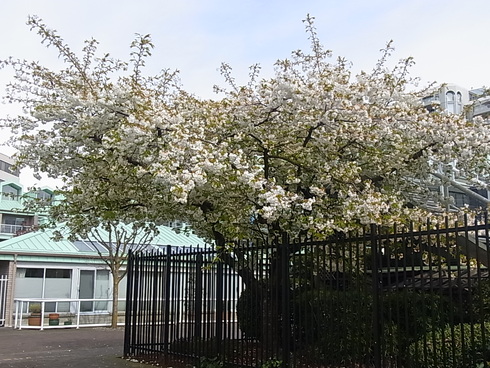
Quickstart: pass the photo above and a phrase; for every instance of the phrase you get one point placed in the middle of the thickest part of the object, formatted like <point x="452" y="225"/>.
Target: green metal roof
<point x="7" y="205"/>
<point x="39" y="245"/>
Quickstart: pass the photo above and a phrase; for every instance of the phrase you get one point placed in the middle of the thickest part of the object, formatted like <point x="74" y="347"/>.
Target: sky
<point x="448" y="39"/>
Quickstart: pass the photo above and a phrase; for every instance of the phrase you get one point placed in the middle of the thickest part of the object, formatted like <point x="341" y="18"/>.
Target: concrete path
<point x="63" y="348"/>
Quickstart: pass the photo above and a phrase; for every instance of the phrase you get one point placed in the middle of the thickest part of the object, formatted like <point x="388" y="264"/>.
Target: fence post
<point x="134" y="292"/>
<point x="285" y="308"/>
<point x="219" y="306"/>
<point x="154" y="301"/>
<point x="166" y="311"/>
<point x="129" y="304"/>
<point x="198" y="296"/>
<point x="376" y="304"/>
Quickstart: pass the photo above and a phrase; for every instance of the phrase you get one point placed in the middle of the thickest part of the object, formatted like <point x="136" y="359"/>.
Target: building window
<point x="458" y="198"/>
<point x="55" y="273"/>
<point x="37" y="273"/>
<point x="459" y="103"/>
<point x="10" y="191"/>
<point x="45" y="283"/>
<point x="5" y="166"/>
<point x="454" y="102"/>
<point x="15" y="220"/>
<point x="44" y="195"/>
<point x="450" y="102"/>
<point x="176" y="224"/>
<point x="59" y="283"/>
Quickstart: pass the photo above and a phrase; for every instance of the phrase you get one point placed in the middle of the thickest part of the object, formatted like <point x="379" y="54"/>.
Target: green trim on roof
<point x="51" y="259"/>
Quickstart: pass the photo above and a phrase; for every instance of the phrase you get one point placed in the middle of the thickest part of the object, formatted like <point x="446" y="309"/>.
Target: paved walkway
<point x="63" y="348"/>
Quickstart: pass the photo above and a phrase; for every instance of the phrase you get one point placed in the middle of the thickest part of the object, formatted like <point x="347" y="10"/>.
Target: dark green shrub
<point x="333" y="327"/>
<point x="249" y="313"/>
<point x="414" y="313"/>
<point x="480" y="302"/>
<point x="460" y="346"/>
<point x="194" y="347"/>
<point x="210" y="363"/>
<point x="336" y="327"/>
<point x="272" y="363"/>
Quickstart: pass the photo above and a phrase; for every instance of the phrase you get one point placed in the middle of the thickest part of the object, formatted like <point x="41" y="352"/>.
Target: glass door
<point x="102" y="289"/>
<point x="86" y="290"/>
<point x="94" y="284"/>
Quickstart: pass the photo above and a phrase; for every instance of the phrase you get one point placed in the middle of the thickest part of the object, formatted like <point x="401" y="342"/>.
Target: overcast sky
<point x="448" y="39"/>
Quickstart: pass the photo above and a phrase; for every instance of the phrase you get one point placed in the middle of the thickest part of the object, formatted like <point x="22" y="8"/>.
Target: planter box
<point x="34" y="319"/>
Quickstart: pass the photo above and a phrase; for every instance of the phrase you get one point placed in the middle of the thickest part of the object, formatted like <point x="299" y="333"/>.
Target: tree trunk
<point x="269" y="296"/>
<point x="115" y="296"/>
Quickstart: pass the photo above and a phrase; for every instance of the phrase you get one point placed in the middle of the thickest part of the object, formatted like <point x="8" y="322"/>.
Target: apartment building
<point x="454" y="99"/>
<point x="14" y="218"/>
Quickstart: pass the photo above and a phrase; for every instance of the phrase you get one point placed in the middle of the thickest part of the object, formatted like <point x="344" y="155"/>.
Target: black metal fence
<point x="398" y="297"/>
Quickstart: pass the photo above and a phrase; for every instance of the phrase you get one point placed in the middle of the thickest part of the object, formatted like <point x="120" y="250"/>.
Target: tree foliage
<point x="313" y="149"/>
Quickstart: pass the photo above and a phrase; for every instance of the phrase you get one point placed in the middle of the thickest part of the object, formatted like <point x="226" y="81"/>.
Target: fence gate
<point x="3" y="298"/>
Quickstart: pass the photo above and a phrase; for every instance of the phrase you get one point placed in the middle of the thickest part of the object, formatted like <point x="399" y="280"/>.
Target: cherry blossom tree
<point x="314" y="149"/>
<point x="95" y="202"/>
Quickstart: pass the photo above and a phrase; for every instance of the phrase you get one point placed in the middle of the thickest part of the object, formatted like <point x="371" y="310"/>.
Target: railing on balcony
<point x="66" y="313"/>
<point x="15" y="229"/>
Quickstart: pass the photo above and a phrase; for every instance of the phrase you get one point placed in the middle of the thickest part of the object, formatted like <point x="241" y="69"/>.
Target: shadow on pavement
<point x="60" y="348"/>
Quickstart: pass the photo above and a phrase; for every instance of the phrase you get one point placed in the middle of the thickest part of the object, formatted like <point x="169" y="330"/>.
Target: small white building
<point x="63" y="273"/>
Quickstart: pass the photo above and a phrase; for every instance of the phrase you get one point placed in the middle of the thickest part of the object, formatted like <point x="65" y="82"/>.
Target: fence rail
<point x="394" y="298"/>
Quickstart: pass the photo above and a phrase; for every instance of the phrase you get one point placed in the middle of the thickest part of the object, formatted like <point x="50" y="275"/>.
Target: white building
<point x="454" y="99"/>
<point x="61" y="274"/>
<point x="449" y="98"/>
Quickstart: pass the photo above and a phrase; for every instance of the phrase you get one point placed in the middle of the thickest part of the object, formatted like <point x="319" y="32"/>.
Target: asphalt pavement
<point x="62" y="348"/>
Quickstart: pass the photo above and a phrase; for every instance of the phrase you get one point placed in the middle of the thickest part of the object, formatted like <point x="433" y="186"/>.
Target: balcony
<point x="15" y="229"/>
